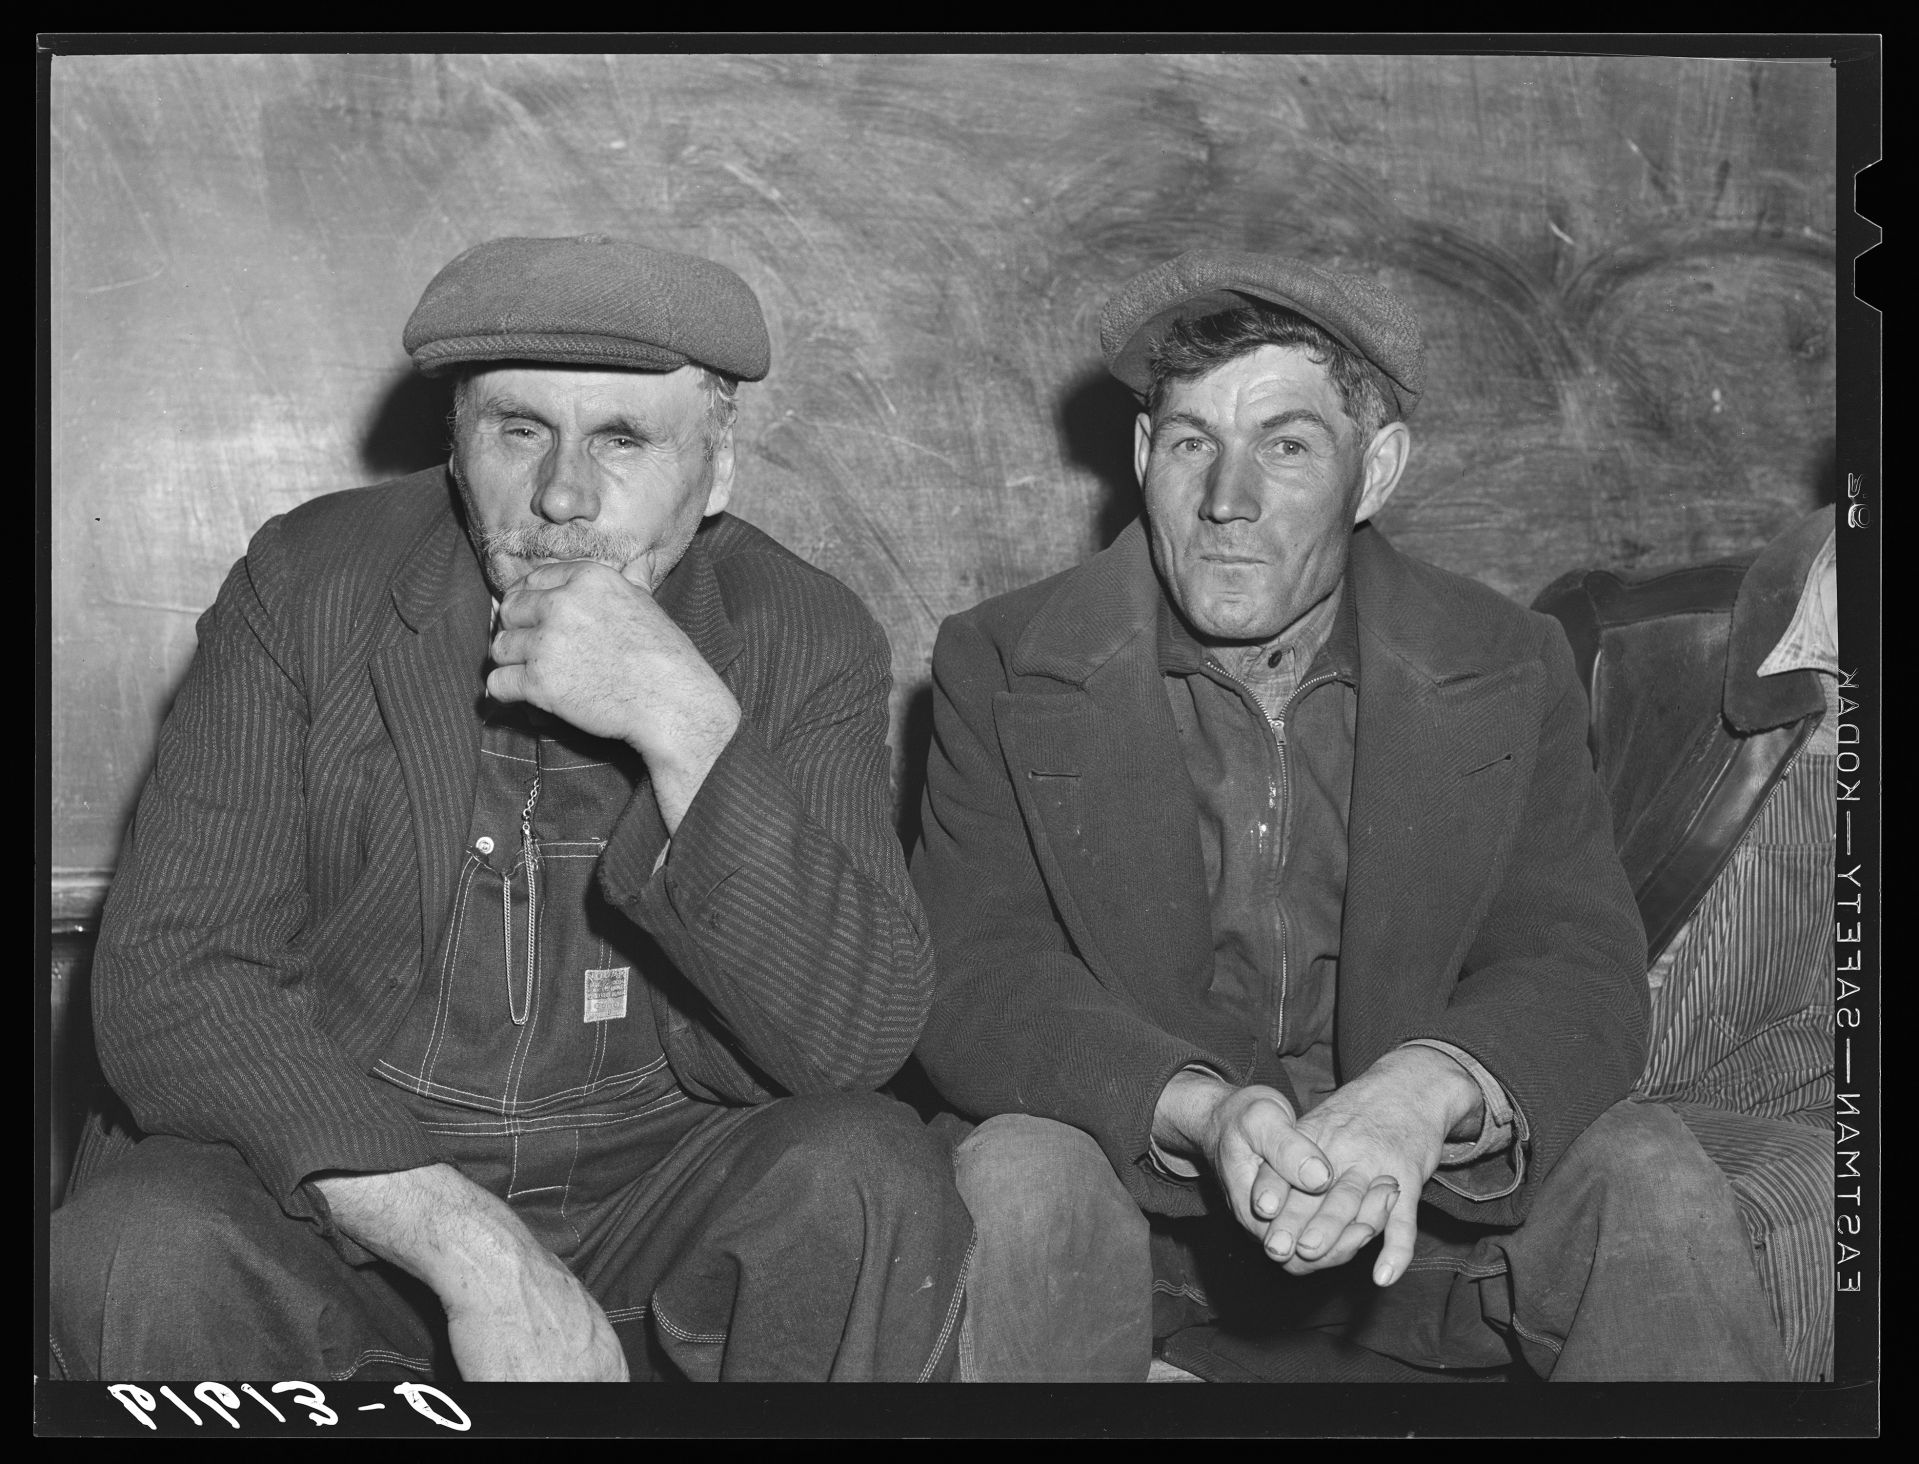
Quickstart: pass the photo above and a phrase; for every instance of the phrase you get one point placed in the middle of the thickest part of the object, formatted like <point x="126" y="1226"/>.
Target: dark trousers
<point x="1633" y="1264"/>
<point x="809" y="1239"/>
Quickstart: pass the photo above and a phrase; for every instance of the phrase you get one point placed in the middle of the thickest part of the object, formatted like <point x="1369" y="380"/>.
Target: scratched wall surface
<point x="1625" y="267"/>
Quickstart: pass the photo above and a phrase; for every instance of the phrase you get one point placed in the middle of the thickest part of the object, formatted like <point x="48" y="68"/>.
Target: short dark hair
<point x="1191" y="348"/>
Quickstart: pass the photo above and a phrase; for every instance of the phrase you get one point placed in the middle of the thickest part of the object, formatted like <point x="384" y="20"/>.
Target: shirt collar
<point x="1811" y="641"/>
<point x="1325" y="637"/>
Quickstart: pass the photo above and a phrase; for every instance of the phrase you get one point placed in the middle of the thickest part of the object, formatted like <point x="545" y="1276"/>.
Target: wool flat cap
<point x="588" y="301"/>
<point x="1361" y="314"/>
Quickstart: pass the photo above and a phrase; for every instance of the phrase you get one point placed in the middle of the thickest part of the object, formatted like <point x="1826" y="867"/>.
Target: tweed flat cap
<point x="1360" y="314"/>
<point x="588" y="301"/>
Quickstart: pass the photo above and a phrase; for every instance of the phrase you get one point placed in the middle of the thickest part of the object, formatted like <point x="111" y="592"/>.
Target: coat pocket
<point x="1056" y="800"/>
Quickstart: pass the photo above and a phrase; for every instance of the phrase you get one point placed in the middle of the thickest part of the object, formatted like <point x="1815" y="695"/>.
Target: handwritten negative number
<point x="219" y="1399"/>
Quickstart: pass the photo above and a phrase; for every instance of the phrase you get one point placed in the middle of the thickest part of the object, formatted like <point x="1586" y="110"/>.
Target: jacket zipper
<point x="1279" y="796"/>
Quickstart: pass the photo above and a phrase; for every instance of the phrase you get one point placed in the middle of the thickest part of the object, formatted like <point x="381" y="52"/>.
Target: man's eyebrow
<point x="502" y="405"/>
<point x="1190" y="419"/>
<point x="624" y="427"/>
<point x="1298" y="415"/>
<point x="1295" y="415"/>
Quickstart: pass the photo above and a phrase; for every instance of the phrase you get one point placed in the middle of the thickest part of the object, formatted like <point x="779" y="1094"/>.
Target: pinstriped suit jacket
<point x="293" y="855"/>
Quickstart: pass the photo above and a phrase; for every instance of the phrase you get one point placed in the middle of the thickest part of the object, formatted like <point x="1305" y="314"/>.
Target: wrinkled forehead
<point x="545" y="390"/>
<point x="1253" y="385"/>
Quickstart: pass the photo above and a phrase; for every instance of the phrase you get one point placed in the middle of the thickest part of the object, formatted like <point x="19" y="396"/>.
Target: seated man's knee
<point x="1061" y="1282"/>
<point x="161" y="1234"/>
<point x="160" y="1222"/>
<point x="1640" y="1156"/>
<point x="862" y="1148"/>
<point x="1034" y="1182"/>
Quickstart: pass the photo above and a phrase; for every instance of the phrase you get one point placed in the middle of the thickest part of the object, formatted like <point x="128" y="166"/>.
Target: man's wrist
<point x="679" y="770"/>
<point x="1501" y="1123"/>
<point x="1183" y="1115"/>
<point x="432" y="1222"/>
<point x="1451" y="1093"/>
<point x="1184" y="1109"/>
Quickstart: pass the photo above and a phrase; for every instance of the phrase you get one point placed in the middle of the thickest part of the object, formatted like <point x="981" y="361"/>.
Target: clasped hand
<point x="1315" y="1190"/>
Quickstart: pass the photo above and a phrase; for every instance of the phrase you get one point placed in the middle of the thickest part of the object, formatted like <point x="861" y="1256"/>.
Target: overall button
<point x="483" y="844"/>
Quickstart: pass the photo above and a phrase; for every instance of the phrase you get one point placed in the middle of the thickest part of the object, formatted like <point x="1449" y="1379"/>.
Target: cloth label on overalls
<point x="606" y="994"/>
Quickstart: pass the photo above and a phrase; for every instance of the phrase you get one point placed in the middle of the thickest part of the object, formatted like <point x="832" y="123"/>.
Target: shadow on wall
<point x="1095" y="420"/>
<point x="916" y="744"/>
<point x="1825" y="474"/>
<point x="408" y="428"/>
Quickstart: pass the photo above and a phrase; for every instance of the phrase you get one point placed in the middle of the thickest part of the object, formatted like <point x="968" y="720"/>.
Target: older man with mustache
<point x="513" y="931"/>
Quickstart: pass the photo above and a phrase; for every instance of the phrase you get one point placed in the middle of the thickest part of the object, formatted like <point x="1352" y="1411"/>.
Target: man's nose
<point x="1232" y="490"/>
<point x="567" y="485"/>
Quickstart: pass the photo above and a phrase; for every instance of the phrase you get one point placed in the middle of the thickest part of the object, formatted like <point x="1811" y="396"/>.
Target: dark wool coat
<point x="1062" y="872"/>
<point x="293" y="857"/>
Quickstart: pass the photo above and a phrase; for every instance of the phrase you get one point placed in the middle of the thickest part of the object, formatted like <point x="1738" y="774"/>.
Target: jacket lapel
<point x="1096" y="765"/>
<point x="429" y="679"/>
<point x="1442" y="757"/>
<point x="1441" y="760"/>
<point x="691" y="596"/>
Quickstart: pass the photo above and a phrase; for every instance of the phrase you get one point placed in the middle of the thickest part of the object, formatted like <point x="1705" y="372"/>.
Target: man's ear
<point x="1385" y="460"/>
<point x="1142" y="445"/>
<point x="721" y="492"/>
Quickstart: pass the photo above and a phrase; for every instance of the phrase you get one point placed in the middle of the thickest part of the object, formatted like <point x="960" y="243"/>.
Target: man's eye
<point x="1189" y="446"/>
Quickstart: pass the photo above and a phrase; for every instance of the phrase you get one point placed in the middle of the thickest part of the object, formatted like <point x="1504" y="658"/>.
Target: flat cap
<point x="1361" y="314"/>
<point x="588" y="301"/>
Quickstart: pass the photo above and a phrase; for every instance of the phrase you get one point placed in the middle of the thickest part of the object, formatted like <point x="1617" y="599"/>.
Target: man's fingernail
<point x="1383" y="1274"/>
<point x="1280" y="1246"/>
<point x="1313" y="1174"/>
<point x="1266" y="1205"/>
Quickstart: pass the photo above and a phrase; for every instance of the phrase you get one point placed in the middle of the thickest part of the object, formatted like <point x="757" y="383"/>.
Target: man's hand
<point x="595" y="649"/>
<point x="514" y="1312"/>
<point x="1383" y="1134"/>
<point x="1247" y="1137"/>
<point x="532" y="1322"/>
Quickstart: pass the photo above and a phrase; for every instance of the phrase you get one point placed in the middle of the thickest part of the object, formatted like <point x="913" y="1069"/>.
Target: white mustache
<point x="563" y="541"/>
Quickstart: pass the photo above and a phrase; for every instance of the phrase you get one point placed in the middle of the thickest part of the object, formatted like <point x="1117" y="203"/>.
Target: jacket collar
<point x="1401" y="614"/>
<point x="692" y="596"/>
<point x="1768" y="596"/>
<point x="439" y="574"/>
<point x="1114" y="601"/>
<point x="1097" y="611"/>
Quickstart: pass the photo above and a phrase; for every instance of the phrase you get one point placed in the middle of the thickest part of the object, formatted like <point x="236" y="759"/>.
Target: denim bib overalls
<point x="529" y="1052"/>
